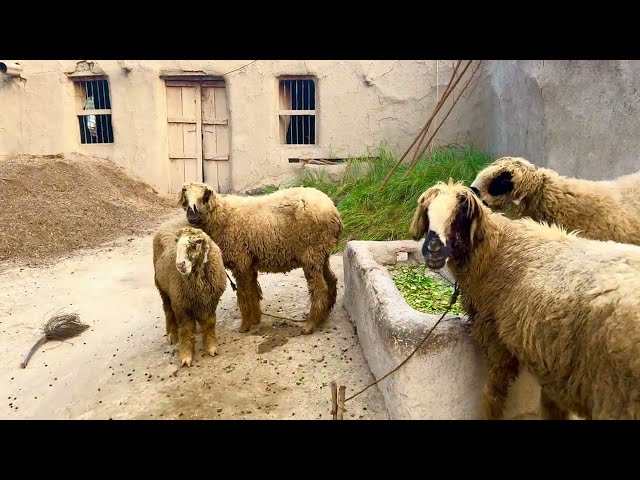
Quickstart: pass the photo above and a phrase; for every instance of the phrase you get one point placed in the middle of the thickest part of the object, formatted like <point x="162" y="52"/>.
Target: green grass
<point x="424" y="293"/>
<point x="372" y="214"/>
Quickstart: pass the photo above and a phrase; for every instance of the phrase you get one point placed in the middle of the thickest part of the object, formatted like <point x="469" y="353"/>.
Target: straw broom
<point x="59" y="327"/>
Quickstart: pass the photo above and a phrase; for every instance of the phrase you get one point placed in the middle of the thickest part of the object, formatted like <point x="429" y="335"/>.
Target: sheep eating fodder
<point x="59" y="327"/>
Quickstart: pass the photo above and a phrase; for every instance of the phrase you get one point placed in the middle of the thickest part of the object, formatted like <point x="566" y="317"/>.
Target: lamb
<point x="564" y="306"/>
<point x="600" y="210"/>
<point x="190" y="277"/>
<point x="275" y="233"/>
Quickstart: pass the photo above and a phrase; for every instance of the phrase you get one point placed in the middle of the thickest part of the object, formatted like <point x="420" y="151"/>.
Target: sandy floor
<point x="123" y="367"/>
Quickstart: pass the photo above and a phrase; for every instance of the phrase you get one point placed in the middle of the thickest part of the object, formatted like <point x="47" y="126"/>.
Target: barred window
<point x="94" y="111"/>
<point x="297" y="112"/>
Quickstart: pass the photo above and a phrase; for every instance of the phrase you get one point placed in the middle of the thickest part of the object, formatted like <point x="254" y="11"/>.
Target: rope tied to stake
<point x="454" y="299"/>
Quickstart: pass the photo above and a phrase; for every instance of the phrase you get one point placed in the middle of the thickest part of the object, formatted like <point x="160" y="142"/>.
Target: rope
<point x="454" y="298"/>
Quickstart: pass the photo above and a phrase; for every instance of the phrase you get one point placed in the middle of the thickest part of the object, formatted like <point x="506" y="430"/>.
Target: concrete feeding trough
<point x="444" y="379"/>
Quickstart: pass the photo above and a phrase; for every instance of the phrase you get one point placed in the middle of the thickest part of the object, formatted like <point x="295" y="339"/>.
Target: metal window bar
<point x="95" y="127"/>
<point x="298" y="94"/>
<point x="101" y="105"/>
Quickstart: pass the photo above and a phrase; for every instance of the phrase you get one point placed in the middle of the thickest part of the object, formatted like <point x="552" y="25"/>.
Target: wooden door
<point x="215" y="136"/>
<point x="198" y="131"/>
<point x="184" y="132"/>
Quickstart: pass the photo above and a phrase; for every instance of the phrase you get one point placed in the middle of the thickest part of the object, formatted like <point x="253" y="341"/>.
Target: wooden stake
<point x="341" y="402"/>
<point x="334" y="400"/>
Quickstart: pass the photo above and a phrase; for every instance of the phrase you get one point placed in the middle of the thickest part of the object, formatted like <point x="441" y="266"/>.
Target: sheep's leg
<point x="246" y="302"/>
<point x="186" y="339"/>
<point x="256" y="297"/>
<point x="502" y="367"/>
<point x="170" y="318"/>
<point x="332" y="282"/>
<point x="549" y="408"/>
<point x="209" y="335"/>
<point x="319" y="292"/>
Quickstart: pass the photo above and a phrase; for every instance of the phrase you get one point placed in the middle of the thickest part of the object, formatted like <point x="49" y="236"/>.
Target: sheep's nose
<point x="434" y="244"/>
<point x="181" y="265"/>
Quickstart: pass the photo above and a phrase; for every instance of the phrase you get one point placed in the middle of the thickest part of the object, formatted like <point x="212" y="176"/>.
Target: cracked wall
<point x="579" y="117"/>
<point x="361" y="104"/>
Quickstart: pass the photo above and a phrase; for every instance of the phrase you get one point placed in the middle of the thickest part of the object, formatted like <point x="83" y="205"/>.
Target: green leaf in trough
<point x="425" y="293"/>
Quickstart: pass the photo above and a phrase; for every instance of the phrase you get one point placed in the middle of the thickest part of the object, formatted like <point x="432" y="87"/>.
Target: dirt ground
<point x="123" y="367"/>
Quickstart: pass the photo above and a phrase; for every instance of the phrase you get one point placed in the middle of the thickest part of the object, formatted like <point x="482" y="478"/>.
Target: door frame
<point x="174" y="78"/>
<point x="197" y="120"/>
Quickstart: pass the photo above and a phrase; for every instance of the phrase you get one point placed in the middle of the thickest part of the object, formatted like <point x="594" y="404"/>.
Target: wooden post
<point x="334" y="400"/>
<point x="341" y="402"/>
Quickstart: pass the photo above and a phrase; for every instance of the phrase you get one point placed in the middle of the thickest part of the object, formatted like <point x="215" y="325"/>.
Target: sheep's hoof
<point x="244" y="328"/>
<point x="308" y="329"/>
<point x="212" y="350"/>
<point x="186" y="361"/>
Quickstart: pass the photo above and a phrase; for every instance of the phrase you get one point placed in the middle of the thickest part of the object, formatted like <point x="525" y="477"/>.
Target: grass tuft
<point x="370" y="214"/>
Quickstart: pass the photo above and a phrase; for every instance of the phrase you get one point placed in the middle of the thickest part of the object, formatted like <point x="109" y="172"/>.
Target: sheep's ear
<point x="207" y="195"/>
<point x="182" y="197"/>
<point x="475" y="214"/>
<point x="420" y="222"/>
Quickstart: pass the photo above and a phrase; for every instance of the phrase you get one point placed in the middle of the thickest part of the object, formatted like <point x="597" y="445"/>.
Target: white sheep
<point x="290" y="228"/>
<point x="564" y="306"/>
<point x="601" y="210"/>
<point x="190" y="277"/>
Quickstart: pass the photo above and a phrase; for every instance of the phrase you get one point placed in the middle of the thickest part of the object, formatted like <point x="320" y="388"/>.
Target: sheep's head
<point x="505" y="183"/>
<point x="196" y="199"/>
<point x="448" y="217"/>
<point x="192" y="249"/>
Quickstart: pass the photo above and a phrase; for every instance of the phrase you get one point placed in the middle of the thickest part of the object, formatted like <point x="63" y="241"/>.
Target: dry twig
<point x="455" y="100"/>
<point x="283" y="318"/>
<point x="417" y="142"/>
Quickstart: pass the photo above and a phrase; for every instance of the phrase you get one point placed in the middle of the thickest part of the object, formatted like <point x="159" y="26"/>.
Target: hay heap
<point x="53" y="205"/>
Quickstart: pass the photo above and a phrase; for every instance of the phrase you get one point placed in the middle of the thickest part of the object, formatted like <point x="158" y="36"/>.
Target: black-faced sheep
<point x="290" y="228"/>
<point x="190" y="277"/>
<point x="601" y="210"/>
<point x="566" y="307"/>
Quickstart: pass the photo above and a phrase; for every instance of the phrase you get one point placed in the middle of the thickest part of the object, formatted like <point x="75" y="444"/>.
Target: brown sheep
<point x="275" y="233"/>
<point x="190" y="277"/>
<point x="601" y="210"/>
<point x="564" y="306"/>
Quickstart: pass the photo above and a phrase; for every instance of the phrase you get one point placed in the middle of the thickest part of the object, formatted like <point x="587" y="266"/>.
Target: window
<point x="94" y="111"/>
<point x="297" y="111"/>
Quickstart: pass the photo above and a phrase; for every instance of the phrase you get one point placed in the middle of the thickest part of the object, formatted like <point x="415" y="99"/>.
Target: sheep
<point x="190" y="277"/>
<point x="600" y="210"/>
<point x="564" y="306"/>
<point x="291" y="228"/>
